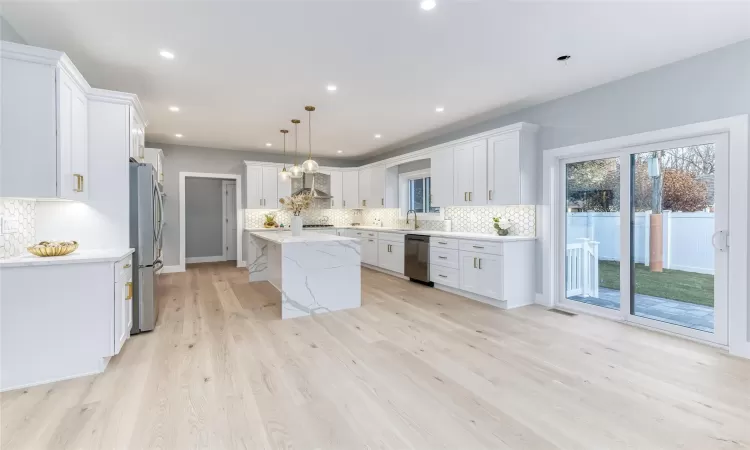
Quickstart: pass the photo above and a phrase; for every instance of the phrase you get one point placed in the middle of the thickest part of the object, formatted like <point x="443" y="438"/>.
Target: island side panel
<point x="320" y="277"/>
<point x="274" y="264"/>
<point x="257" y="259"/>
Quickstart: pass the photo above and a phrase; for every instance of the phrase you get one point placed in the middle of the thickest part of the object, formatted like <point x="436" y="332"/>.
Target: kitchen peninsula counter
<point x="315" y="273"/>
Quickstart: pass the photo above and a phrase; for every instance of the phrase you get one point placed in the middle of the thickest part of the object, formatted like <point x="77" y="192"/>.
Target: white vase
<point x="296" y="225"/>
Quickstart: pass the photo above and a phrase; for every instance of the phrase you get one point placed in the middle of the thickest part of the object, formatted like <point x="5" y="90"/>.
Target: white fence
<point x="687" y="237"/>
<point x="582" y="269"/>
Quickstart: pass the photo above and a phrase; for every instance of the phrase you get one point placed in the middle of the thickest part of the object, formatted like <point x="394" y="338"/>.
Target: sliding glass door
<point x="645" y="235"/>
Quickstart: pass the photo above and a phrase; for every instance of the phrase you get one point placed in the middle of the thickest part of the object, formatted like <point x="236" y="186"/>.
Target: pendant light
<point x="295" y="171"/>
<point x="309" y="166"/>
<point x="284" y="175"/>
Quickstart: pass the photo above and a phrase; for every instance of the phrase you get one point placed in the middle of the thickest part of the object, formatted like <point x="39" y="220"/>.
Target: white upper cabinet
<point x="138" y="138"/>
<point x="44" y="125"/>
<point x="512" y="168"/>
<point x="470" y="173"/>
<point x="263" y="188"/>
<point x="350" y="189"/>
<point x="155" y="157"/>
<point x="336" y="189"/>
<point x="377" y="187"/>
<point x="365" y="180"/>
<point x="441" y="173"/>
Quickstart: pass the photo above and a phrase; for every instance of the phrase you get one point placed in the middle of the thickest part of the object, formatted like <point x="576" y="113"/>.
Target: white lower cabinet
<point x="391" y="256"/>
<point x="482" y="274"/>
<point x="369" y="250"/>
<point x="123" y="303"/>
<point x="444" y="275"/>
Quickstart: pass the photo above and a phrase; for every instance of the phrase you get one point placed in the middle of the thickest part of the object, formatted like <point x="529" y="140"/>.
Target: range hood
<point x="308" y="185"/>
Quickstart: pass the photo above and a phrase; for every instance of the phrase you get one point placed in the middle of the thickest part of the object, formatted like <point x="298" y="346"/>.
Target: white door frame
<point x="238" y="201"/>
<point x="224" y="214"/>
<point x="737" y="128"/>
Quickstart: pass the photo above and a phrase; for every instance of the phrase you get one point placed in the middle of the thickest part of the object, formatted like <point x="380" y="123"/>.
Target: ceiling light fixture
<point x="174" y="108"/>
<point x="331" y="88"/>
<point x="439" y="109"/>
<point x="268" y="144"/>
<point x="295" y="171"/>
<point x="377" y="136"/>
<point x="340" y="151"/>
<point x="427" y="5"/>
<point x="310" y="166"/>
<point x="178" y="135"/>
<point x="284" y="175"/>
<point x="166" y="54"/>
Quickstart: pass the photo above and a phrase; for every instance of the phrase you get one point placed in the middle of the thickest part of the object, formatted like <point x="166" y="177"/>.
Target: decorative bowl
<point x="46" y="248"/>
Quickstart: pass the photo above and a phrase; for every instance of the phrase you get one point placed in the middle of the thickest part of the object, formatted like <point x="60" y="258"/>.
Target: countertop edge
<point x="77" y="257"/>
<point x="446" y="234"/>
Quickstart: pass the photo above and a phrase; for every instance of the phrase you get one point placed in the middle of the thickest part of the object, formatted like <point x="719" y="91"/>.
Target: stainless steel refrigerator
<point x="146" y="227"/>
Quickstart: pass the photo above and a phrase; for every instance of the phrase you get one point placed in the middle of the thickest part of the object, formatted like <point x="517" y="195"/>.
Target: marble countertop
<point x="285" y="237"/>
<point x="448" y="234"/>
<point x="77" y="257"/>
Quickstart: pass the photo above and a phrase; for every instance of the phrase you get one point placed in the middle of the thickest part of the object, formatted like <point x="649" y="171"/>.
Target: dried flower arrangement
<point x="297" y="203"/>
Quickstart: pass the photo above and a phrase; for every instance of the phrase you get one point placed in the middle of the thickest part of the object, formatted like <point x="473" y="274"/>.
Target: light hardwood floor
<point x="413" y="368"/>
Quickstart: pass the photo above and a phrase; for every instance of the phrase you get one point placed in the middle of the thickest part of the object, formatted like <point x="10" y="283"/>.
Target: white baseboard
<point x="539" y="299"/>
<point x="171" y="269"/>
<point x="204" y="259"/>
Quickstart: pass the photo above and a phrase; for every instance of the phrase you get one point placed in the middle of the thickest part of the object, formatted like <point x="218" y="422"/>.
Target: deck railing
<point x="582" y="269"/>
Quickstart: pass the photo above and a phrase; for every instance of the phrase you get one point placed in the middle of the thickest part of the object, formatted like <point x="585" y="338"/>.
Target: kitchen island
<point x="315" y="273"/>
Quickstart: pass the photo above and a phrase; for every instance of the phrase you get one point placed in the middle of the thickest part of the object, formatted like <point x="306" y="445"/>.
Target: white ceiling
<point x="244" y="69"/>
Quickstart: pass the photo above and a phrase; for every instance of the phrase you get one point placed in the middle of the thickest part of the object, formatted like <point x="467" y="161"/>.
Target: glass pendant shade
<point x="284" y="175"/>
<point x="295" y="171"/>
<point x="310" y="166"/>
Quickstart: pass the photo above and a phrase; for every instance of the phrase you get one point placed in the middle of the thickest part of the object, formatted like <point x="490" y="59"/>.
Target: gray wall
<point x="419" y="164"/>
<point x="203" y="217"/>
<point x="8" y="33"/>
<point x="709" y="86"/>
<point x="183" y="158"/>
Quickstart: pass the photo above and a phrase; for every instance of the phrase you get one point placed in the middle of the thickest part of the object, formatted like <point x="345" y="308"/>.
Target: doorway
<point x="644" y="235"/>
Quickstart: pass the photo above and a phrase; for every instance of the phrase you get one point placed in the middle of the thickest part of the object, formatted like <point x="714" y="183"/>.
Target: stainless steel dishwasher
<point x="417" y="258"/>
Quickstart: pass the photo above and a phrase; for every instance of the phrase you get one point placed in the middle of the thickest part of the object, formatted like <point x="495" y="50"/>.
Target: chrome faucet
<point x="416" y="225"/>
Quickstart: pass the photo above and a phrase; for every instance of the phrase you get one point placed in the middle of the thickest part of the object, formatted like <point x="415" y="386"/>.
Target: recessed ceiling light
<point x="340" y="151"/>
<point x="268" y="144"/>
<point x="563" y="58"/>
<point x="174" y="108"/>
<point x="377" y="136"/>
<point x="178" y="135"/>
<point x="331" y="88"/>
<point x="166" y="54"/>
<point x="427" y="4"/>
<point x="439" y="109"/>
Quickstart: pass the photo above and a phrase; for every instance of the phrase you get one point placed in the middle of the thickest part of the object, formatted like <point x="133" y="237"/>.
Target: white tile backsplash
<point x="24" y="211"/>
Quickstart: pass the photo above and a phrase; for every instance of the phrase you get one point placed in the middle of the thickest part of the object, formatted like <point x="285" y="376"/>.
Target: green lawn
<point x="687" y="287"/>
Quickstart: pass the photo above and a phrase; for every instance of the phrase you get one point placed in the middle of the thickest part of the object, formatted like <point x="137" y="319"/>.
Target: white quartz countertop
<point x="285" y="237"/>
<point x="448" y="234"/>
<point x="77" y="257"/>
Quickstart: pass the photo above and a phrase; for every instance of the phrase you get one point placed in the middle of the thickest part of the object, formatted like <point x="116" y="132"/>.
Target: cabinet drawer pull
<point x="371" y="240"/>
<point x="442" y="276"/>
<point x="477" y="246"/>
<point x="79" y="182"/>
<point x="442" y="242"/>
<point x="443" y="257"/>
<point x="129" y="284"/>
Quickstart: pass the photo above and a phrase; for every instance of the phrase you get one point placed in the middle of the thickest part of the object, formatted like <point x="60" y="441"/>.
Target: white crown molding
<point x="122" y="98"/>
<point x="38" y="55"/>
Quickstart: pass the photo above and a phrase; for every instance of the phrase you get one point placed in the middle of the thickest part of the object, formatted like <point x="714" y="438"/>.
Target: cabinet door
<point x="490" y="274"/>
<point x="123" y="310"/>
<point x="395" y="253"/>
<point x="370" y="251"/>
<point x="271" y="187"/>
<point x="336" y="189"/>
<point x="365" y="200"/>
<point x="503" y="170"/>
<point x="254" y="187"/>
<point x="377" y="187"/>
<point x="72" y="140"/>
<point x="350" y="189"/>
<point x="441" y="173"/>
<point x="469" y="279"/>
<point x="463" y="172"/>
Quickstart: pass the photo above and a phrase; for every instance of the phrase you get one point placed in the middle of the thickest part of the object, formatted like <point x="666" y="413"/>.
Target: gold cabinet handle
<point x="126" y="266"/>
<point x="480" y="263"/>
<point x="79" y="182"/>
<point x="469" y="196"/>
<point x="490" y="194"/>
<point x="465" y="196"/>
<point x="475" y="263"/>
<point x="382" y="202"/>
<point x="130" y="290"/>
